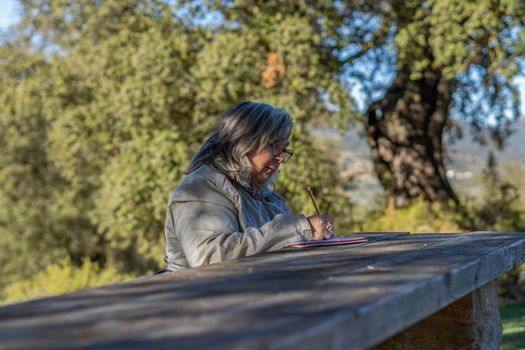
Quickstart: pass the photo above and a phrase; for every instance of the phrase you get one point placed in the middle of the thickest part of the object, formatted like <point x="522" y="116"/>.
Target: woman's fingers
<point x="322" y="226"/>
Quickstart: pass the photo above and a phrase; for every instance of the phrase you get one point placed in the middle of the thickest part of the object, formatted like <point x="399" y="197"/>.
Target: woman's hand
<point x="322" y="226"/>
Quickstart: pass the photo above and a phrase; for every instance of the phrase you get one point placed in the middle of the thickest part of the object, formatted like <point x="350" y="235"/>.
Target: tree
<point x="281" y="52"/>
<point x="499" y="208"/>
<point x="453" y="60"/>
<point x="95" y="106"/>
<point x="123" y="93"/>
<point x="28" y="179"/>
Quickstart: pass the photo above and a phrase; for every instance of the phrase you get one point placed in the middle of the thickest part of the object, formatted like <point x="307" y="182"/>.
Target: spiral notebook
<point x="329" y="242"/>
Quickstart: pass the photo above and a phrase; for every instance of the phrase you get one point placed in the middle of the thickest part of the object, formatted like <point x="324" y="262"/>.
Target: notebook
<point x="329" y="242"/>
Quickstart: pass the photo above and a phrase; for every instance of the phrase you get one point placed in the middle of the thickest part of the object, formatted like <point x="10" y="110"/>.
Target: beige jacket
<point x="211" y="218"/>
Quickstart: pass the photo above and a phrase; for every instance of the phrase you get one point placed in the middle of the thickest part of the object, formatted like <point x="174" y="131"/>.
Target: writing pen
<point x="307" y="187"/>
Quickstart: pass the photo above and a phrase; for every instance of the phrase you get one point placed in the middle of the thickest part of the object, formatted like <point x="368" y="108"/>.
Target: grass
<point x="513" y="318"/>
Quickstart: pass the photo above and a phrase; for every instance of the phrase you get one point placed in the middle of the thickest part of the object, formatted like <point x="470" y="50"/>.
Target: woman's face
<point x="266" y="162"/>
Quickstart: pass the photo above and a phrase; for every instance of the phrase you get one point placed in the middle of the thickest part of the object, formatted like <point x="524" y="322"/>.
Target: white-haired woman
<point x="224" y="208"/>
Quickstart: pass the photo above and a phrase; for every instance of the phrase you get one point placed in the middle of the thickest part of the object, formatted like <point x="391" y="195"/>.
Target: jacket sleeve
<point x="209" y="232"/>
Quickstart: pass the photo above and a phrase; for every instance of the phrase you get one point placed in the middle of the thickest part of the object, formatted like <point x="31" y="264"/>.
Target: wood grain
<point x="342" y="297"/>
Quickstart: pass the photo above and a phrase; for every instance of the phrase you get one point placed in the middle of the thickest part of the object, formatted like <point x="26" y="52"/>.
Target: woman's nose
<point x="280" y="157"/>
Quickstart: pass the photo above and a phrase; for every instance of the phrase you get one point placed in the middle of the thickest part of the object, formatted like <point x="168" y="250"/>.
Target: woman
<point x="224" y="207"/>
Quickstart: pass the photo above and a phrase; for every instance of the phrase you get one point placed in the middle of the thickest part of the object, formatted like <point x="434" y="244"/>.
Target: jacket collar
<point x="264" y="191"/>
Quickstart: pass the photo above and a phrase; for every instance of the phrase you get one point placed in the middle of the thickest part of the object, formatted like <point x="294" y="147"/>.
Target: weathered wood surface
<point x="342" y="297"/>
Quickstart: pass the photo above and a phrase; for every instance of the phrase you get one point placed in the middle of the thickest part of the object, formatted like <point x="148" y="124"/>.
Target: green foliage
<point x="511" y="286"/>
<point x="28" y="179"/>
<point x="324" y="179"/>
<point x="419" y="217"/>
<point x="449" y="60"/>
<point x="276" y="52"/>
<point x="476" y="46"/>
<point x="130" y="204"/>
<point x="513" y="319"/>
<point x="61" y="277"/>
<point x="512" y="174"/>
<point x="94" y="127"/>
<point x="499" y="207"/>
<point x="104" y="103"/>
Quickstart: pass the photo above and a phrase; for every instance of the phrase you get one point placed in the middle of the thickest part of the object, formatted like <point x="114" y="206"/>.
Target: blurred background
<point x="407" y="117"/>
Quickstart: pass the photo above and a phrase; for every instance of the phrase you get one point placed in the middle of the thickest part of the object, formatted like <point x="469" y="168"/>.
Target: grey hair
<point x="244" y="130"/>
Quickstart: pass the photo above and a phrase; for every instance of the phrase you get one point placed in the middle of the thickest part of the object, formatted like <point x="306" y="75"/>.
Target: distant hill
<point x="466" y="158"/>
<point x="469" y="155"/>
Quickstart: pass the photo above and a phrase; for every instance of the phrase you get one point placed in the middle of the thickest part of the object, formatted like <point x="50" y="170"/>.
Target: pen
<point x="307" y="187"/>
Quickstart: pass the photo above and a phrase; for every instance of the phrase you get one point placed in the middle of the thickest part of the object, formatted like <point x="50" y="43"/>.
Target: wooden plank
<point x="287" y="259"/>
<point x="331" y="297"/>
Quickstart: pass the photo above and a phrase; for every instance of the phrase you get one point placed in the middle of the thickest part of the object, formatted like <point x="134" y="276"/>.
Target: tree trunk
<point x="405" y="130"/>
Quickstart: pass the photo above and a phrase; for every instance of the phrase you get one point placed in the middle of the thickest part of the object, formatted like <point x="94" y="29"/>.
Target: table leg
<point x="472" y="322"/>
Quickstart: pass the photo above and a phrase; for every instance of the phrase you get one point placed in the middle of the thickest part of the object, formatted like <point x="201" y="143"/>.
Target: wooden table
<point x="435" y="291"/>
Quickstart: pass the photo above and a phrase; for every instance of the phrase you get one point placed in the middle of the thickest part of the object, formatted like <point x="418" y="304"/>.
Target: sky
<point x="8" y="16"/>
<point x="7" y="13"/>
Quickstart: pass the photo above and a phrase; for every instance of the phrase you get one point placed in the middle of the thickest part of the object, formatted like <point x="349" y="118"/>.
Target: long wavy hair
<point x="244" y="130"/>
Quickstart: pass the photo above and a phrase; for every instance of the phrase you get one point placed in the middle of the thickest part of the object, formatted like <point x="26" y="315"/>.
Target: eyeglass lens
<point x="280" y="150"/>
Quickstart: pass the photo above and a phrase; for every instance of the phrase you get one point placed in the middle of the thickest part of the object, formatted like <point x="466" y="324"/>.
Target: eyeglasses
<point x="278" y="150"/>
